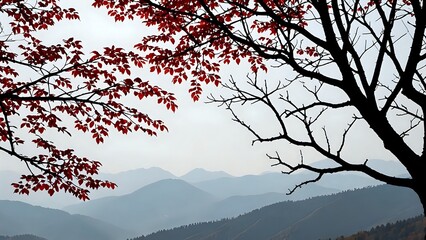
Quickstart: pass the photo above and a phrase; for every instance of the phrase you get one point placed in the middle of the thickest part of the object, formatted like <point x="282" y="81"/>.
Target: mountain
<point x="199" y="175"/>
<point x="265" y="183"/>
<point x="389" y="167"/>
<point x="163" y="204"/>
<point x="409" y="229"/>
<point x="347" y="181"/>
<point x="127" y="182"/>
<point x="248" y="185"/>
<point x="281" y="183"/>
<point x="217" y="183"/>
<point x="237" y="205"/>
<point x="171" y="203"/>
<point x="315" y="218"/>
<point x="132" y="180"/>
<point x="21" y="218"/>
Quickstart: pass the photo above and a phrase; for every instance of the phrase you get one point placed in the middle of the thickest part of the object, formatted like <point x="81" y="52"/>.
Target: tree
<point x="55" y="88"/>
<point x="369" y="52"/>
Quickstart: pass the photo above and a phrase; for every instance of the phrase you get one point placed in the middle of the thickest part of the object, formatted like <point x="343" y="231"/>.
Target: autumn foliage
<point x="54" y="88"/>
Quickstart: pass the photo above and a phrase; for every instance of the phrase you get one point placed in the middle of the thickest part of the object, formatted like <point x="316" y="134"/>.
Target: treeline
<point x="183" y="231"/>
<point x="409" y="229"/>
<point x="22" y="237"/>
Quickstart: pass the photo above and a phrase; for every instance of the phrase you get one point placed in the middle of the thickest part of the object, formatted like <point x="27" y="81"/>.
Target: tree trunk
<point x="421" y="192"/>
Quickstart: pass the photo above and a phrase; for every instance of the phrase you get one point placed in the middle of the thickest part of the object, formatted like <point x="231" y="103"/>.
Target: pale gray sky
<point x="201" y="135"/>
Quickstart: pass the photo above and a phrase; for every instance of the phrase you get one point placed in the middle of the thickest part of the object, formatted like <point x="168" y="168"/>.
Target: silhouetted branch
<point x="264" y="95"/>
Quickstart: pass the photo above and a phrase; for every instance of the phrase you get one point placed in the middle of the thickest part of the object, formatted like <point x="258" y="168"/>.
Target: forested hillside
<point x="408" y="229"/>
<point x="17" y="218"/>
<point x="315" y="218"/>
<point x="22" y="237"/>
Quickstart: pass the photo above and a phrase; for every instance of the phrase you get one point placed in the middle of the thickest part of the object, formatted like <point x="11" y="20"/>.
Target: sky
<point x="200" y="135"/>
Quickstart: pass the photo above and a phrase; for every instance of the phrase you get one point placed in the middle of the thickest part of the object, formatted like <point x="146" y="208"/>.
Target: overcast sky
<point x="201" y="135"/>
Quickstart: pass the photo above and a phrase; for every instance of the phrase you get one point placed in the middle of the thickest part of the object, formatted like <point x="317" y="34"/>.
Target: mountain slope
<point x="237" y="205"/>
<point x="315" y="218"/>
<point x="20" y="218"/>
<point x="171" y="203"/>
<point x="166" y="203"/>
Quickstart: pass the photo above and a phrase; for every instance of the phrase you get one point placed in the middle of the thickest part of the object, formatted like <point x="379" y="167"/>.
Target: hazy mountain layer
<point x="199" y="175"/>
<point x="218" y="183"/>
<point x="281" y="183"/>
<point x="127" y="182"/>
<point x="171" y="203"/>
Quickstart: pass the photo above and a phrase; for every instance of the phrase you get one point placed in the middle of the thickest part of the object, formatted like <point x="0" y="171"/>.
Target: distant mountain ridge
<point x="132" y="180"/>
<point x="200" y="174"/>
<point x="261" y="184"/>
<point x="129" y="181"/>
<point x="315" y="218"/>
